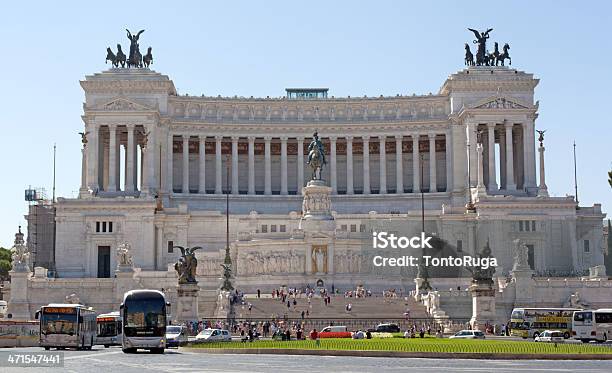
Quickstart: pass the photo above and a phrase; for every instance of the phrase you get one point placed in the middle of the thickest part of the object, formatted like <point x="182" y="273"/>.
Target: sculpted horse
<point x="469" y="57"/>
<point x="504" y="55"/>
<point x="148" y="58"/>
<point x="494" y="56"/>
<point x="110" y="56"/>
<point x="120" y="56"/>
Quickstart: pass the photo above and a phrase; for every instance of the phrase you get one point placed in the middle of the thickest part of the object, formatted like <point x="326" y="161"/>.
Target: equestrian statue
<point x="316" y="157"/>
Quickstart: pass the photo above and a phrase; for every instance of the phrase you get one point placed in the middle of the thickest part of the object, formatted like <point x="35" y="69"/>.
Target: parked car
<point x="468" y="334"/>
<point x="550" y="336"/>
<point x="334" y="329"/>
<point x="385" y="328"/>
<point x="214" y="335"/>
<point x="176" y="335"/>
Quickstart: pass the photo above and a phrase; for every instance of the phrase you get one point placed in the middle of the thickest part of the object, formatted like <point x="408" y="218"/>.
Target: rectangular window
<point x="104" y="226"/>
<point x="264" y="228"/>
<point x="533" y="226"/>
<point x="97" y="227"/>
<point x="459" y="246"/>
<point x="170" y="247"/>
<point x="361" y="227"/>
<point x="110" y="227"/>
<point x="520" y="225"/>
<point x="527" y="226"/>
<point x="283" y="228"/>
<point x="531" y="256"/>
<point x="353" y="227"/>
<point x="103" y="261"/>
<point x="587" y="246"/>
<point x="273" y="228"/>
<point x="343" y="227"/>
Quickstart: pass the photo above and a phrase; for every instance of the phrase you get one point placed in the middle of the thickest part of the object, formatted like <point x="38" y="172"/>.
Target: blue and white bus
<point x="67" y="326"/>
<point x="143" y="313"/>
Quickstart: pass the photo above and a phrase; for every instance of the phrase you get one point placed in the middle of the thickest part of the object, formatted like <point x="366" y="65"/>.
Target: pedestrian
<point x="302" y="314"/>
<point x="258" y="293"/>
<point x="288" y="305"/>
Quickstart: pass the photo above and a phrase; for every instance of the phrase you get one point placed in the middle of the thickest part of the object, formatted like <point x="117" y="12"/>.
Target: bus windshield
<point x="107" y="329"/>
<point x="145" y="317"/>
<point x="58" y="323"/>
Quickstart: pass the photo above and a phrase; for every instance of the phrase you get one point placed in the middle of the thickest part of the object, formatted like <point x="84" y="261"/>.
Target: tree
<point x="5" y="263"/>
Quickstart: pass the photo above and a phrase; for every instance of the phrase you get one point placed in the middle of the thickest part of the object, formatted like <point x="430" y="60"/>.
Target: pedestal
<point x="124" y="282"/>
<point x="483" y="305"/>
<point x="187" y="302"/>
<point x="316" y="207"/>
<point x="18" y="305"/>
<point x="223" y="305"/>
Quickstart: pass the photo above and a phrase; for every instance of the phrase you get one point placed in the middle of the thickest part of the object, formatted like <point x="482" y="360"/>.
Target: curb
<point x="427" y="355"/>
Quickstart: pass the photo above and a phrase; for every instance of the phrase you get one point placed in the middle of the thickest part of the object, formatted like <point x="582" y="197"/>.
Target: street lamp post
<point x="422" y="269"/>
<point x="227" y="262"/>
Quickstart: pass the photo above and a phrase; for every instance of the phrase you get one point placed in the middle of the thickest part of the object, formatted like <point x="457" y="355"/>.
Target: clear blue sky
<point x="259" y="48"/>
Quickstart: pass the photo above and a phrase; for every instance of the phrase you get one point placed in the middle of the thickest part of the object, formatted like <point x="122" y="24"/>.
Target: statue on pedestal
<point x="20" y="254"/>
<point x="316" y="157"/>
<point x="124" y="257"/>
<point x="482" y="275"/>
<point x="521" y="256"/>
<point x="186" y="265"/>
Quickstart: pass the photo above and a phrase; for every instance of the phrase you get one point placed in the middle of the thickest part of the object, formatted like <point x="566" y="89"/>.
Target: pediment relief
<point x="122" y="104"/>
<point x="500" y="102"/>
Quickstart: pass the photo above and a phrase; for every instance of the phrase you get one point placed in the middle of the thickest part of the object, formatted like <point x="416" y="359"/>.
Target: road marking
<point x="92" y="355"/>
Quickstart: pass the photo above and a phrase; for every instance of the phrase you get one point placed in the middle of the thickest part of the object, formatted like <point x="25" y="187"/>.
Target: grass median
<point x="419" y="345"/>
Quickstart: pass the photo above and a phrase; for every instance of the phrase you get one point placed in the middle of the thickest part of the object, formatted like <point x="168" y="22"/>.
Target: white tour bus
<point x="67" y="326"/>
<point x="143" y="313"/>
<point x="592" y="325"/>
<point x="110" y="332"/>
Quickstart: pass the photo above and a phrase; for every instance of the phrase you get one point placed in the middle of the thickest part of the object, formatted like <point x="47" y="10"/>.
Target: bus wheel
<point x="47" y="348"/>
<point x="129" y="350"/>
<point x="106" y="346"/>
<point x="157" y="350"/>
<point x="566" y="335"/>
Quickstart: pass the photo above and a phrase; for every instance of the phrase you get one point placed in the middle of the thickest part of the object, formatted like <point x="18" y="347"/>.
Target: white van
<point x="334" y="329"/>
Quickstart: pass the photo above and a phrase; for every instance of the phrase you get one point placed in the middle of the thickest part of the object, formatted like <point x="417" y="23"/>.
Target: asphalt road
<point x="113" y="360"/>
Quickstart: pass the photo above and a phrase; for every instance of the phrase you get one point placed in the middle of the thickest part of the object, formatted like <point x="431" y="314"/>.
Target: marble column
<point x="383" y="164"/>
<point x="480" y="187"/>
<point x="366" y="164"/>
<point x="399" y="168"/>
<point x="510" y="182"/>
<point x="185" y="163"/>
<point x="251" y="165"/>
<point x="416" y="172"/>
<point x="169" y="164"/>
<point x="268" y="166"/>
<point x="93" y="141"/>
<point x="218" y="166"/>
<point x="83" y="191"/>
<point x="349" y="165"/>
<point x="202" y="164"/>
<point x="433" y="187"/>
<point x="471" y="140"/>
<point x="112" y="158"/>
<point x="300" y="164"/>
<point x="449" y="161"/>
<point x="332" y="164"/>
<point x="491" y="152"/>
<point x="235" y="186"/>
<point x="130" y="164"/>
<point x="529" y="154"/>
<point x="284" y="165"/>
<point x="543" y="189"/>
<point x="150" y="149"/>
